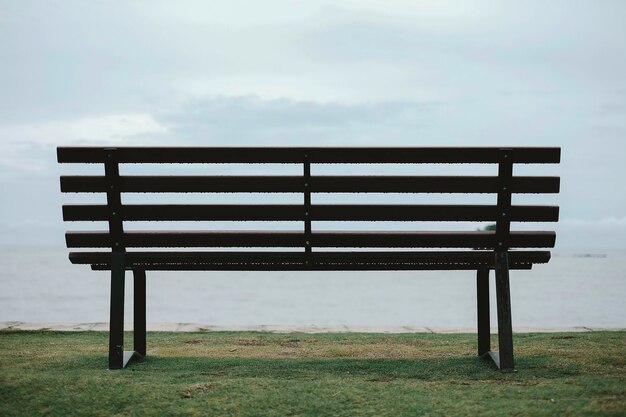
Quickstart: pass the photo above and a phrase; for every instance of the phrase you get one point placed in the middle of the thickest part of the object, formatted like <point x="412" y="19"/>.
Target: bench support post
<point x="482" y="298"/>
<point x="505" y="328"/>
<point x="139" y="316"/>
<point x="116" y="329"/>
<point x="307" y="211"/>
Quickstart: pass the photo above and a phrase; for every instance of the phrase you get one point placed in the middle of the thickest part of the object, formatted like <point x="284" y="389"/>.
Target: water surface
<point x="40" y="285"/>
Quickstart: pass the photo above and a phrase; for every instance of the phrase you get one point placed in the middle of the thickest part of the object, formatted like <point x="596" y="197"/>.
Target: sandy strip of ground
<point x="197" y="327"/>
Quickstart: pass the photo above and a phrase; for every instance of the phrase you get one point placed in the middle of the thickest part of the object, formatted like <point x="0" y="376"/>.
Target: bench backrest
<point x="504" y="184"/>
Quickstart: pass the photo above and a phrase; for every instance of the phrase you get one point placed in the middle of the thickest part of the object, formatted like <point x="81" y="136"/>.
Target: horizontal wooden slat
<point x="327" y="212"/>
<point x="83" y="184"/>
<point x="316" y="260"/>
<point x="297" y="155"/>
<point x="486" y="257"/>
<point x="259" y="266"/>
<point x="320" y="184"/>
<point x="478" y="239"/>
<point x="430" y="184"/>
<point x="406" y="212"/>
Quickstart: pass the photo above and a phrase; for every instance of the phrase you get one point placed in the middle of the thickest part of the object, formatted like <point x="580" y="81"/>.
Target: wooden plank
<point x="429" y="239"/>
<point x="83" y="184"/>
<point x="535" y="185"/>
<point x="320" y="212"/>
<point x="85" y="212"/>
<point x="317" y="184"/>
<point x="308" y="217"/>
<point x="153" y="239"/>
<point x="114" y="202"/>
<point x="430" y="184"/>
<point x="322" y="261"/>
<point x="294" y="155"/>
<point x="411" y="212"/>
<point x="505" y="173"/>
<point x="301" y="266"/>
<point x="475" y="257"/>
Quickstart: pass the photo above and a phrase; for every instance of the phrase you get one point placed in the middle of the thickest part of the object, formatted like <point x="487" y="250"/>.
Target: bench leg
<point x="505" y="329"/>
<point x="482" y="298"/>
<point x="139" y="281"/>
<point x="116" y="322"/>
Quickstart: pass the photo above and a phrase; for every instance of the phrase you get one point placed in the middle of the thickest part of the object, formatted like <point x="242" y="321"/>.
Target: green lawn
<point x="265" y="374"/>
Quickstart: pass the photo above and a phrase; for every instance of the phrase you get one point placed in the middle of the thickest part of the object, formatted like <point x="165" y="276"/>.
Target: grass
<point x="266" y="374"/>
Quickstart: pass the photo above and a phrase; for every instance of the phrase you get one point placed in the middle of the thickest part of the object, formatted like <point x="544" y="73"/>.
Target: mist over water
<point x="40" y="285"/>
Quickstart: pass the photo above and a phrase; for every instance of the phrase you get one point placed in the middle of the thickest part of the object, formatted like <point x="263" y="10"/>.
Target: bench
<point x="309" y="249"/>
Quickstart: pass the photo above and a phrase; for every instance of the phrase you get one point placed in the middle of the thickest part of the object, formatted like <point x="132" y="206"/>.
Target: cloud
<point x="253" y="121"/>
<point x="24" y="145"/>
<point x="115" y="128"/>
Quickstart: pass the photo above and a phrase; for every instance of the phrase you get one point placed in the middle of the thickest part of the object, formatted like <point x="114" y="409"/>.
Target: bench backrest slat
<point x="290" y="239"/>
<point x="318" y="184"/>
<point x="313" y="155"/>
<point x="317" y="212"/>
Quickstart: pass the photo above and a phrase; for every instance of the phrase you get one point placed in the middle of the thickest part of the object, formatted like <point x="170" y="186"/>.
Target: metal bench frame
<point x="495" y="246"/>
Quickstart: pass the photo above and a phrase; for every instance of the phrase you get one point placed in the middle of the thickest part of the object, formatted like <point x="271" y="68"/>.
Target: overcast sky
<point x="345" y="73"/>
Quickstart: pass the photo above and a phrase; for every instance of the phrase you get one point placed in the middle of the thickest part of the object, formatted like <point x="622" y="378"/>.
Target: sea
<point x="576" y="288"/>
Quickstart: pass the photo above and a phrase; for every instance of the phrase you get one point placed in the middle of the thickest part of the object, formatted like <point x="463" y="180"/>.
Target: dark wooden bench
<point x="501" y="250"/>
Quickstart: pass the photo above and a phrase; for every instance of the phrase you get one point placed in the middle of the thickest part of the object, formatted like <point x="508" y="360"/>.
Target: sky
<point x="316" y="73"/>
